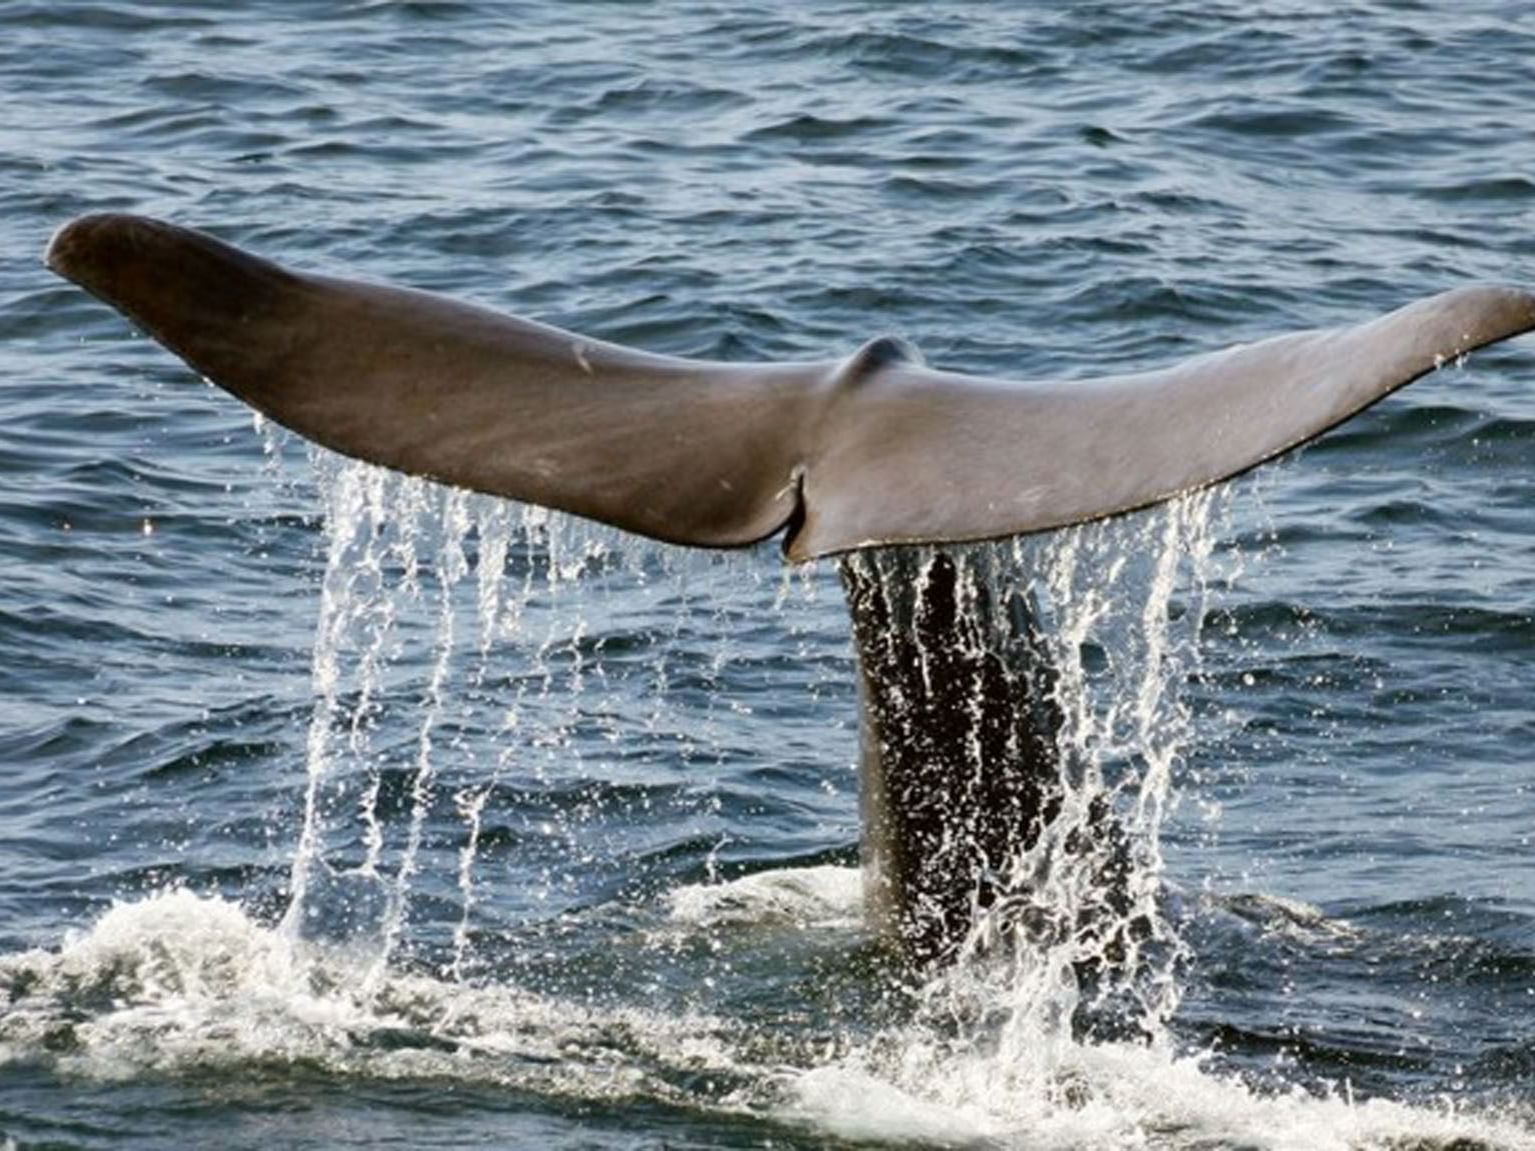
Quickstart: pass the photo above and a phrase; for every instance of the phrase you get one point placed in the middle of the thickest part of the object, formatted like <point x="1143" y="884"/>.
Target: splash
<point x="1076" y="948"/>
<point x="994" y="1052"/>
<point x="458" y="579"/>
<point x="182" y="984"/>
<point x="408" y="953"/>
<point x="428" y="596"/>
<point x="1115" y="1096"/>
<point x="1120" y="644"/>
<point x="803" y="897"/>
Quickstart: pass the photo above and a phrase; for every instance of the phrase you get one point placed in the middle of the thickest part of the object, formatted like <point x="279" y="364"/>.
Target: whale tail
<point x="874" y="449"/>
<point x="961" y="730"/>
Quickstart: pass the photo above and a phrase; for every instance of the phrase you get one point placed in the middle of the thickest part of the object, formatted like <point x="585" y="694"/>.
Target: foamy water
<point x="183" y="985"/>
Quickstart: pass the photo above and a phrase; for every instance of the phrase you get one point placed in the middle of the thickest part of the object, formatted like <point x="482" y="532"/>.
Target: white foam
<point x="803" y="896"/>
<point x="854" y="1105"/>
<point x="179" y="982"/>
<point x="1110" y="1097"/>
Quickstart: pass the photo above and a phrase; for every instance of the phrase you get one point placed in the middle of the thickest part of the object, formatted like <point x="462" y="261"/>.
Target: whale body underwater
<point x="875" y="459"/>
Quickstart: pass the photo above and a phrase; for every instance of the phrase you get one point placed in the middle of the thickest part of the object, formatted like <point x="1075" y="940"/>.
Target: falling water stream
<point x="398" y="547"/>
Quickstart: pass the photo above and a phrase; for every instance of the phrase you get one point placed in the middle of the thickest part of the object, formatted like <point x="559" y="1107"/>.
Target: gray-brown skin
<point x="840" y="455"/>
<point x="960" y="730"/>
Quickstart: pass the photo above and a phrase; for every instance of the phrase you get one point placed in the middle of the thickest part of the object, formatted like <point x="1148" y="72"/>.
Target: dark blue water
<point x="574" y="817"/>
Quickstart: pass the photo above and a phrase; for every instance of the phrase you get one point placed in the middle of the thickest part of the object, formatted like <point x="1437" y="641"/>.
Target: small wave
<point x="1269" y="122"/>
<point x="1274" y="914"/>
<point x="807" y="128"/>
<point x="808" y="896"/>
<point x="1511" y="188"/>
<point x="913" y="51"/>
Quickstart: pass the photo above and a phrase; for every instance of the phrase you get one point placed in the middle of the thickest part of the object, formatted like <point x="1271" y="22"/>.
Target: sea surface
<point x="340" y="810"/>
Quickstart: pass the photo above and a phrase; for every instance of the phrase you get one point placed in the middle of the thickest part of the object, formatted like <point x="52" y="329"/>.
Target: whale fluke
<point x="961" y="766"/>
<point x="872" y="450"/>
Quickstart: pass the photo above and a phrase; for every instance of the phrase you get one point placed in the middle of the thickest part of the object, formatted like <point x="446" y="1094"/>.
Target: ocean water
<point x="339" y="810"/>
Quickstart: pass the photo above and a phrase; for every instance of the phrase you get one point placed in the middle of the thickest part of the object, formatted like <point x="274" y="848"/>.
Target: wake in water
<point x="444" y="922"/>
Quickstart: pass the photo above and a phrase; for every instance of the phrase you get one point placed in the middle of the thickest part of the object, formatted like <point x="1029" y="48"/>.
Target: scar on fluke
<point x="861" y="457"/>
